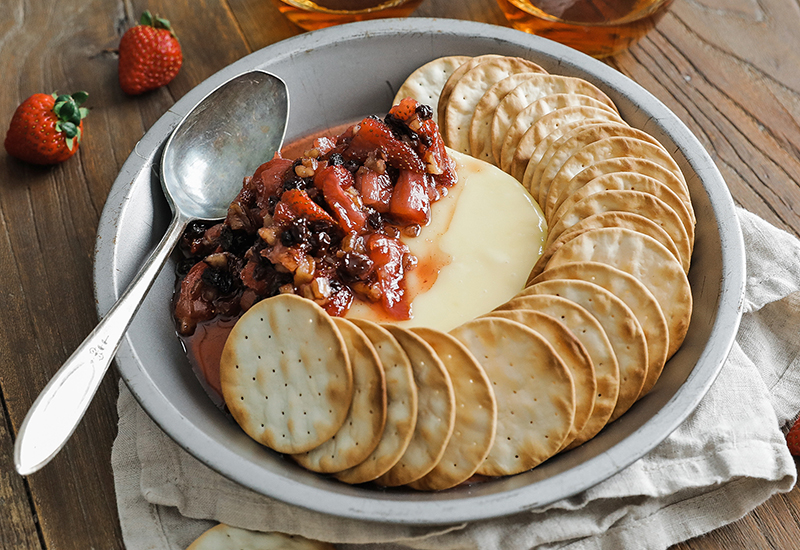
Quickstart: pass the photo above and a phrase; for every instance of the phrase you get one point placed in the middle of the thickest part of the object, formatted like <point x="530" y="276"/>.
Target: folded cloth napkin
<point x="728" y="457"/>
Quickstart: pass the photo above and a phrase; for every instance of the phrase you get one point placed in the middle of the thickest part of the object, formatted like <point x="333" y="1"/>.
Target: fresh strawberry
<point x="47" y="129"/>
<point x="149" y="55"/>
<point x="793" y="438"/>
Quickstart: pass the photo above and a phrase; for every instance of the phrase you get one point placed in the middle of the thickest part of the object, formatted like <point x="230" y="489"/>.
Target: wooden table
<point x="729" y="69"/>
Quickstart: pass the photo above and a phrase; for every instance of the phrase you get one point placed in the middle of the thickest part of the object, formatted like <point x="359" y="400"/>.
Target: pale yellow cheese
<point x="475" y="254"/>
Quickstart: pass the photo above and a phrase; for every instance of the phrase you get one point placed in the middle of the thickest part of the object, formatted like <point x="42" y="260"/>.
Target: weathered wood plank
<point x="17" y="525"/>
<point x="49" y="218"/>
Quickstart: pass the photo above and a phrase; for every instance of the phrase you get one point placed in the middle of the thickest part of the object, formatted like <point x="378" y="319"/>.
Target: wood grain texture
<point x="726" y="67"/>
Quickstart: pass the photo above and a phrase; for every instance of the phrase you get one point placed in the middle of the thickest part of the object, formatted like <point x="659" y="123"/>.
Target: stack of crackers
<point x="606" y="305"/>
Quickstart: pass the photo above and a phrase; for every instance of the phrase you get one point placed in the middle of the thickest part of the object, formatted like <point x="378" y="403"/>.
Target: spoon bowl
<point x="203" y="163"/>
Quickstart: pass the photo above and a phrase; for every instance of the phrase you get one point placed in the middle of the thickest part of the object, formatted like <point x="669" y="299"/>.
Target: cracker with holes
<point x="401" y="407"/>
<point x="620" y="325"/>
<point x="555" y="160"/>
<point x="426" y="83"/>
<point x="647" y="260"/>
<point x="571" y="351"/>
<point x="455" y="76"/>
<point x="594" y="339"/>
<point x="626" y="220"/>
<point x="480" y="127"/>
<point x="534" y="390"/>
<point x="286" y="375"/>
<point x="436" y="411"/>
<point x="637" y="202"/>
<point x="630" y="181"/>
<point x="361" y="431"/>
<point x="604" y="164"/>
<point x="519" y="148"/>
<point x="476" y="414"/>
<point x="528" y="92"/>
<point x="641" y="301"/>
<point x="225" y="537"/>
<point x="466" y="94"/>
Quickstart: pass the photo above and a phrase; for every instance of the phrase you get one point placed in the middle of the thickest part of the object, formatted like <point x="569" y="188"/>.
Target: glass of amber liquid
<point x="600" y="28"/>
<point x="325" y="13"/>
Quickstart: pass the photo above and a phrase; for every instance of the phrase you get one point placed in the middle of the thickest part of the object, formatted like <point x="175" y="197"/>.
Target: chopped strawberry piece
<point x="375" y="189"/>
<point x="334" y="180"/>
<point x="410" y="203"/>
<point x="388" y="254"/>
<point x="324" y="145"/>
<point x="405" y="110"/>
<point x="301" y="205"/>
<point x="371" y="135"/>
<point x="268" y="178"/>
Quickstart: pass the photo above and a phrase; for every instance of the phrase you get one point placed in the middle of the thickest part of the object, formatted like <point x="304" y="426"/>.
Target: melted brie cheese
<point x="476" y="253"/>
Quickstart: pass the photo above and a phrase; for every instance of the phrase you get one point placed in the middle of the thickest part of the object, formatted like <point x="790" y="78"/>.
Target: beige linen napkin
<point x="727" y="458"/>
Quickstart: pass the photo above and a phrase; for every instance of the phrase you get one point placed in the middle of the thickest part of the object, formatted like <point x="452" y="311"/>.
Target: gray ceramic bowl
<point x="334" y="76"/>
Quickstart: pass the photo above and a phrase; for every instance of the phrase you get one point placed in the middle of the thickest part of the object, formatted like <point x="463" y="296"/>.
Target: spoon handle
<point x="60" y="406"/>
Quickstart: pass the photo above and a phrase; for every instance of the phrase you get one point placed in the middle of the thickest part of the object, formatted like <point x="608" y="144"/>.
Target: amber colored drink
<point x="325" y="13"/>
<point x="597" y="27"/>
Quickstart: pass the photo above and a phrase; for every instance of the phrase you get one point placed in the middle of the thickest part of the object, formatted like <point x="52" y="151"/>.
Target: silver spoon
<point x="225" y="137"/>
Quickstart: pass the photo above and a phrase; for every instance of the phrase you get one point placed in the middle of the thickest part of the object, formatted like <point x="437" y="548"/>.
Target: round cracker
<point x="620" y="325"/>
<point x="361" y="431"/>
<point x="476" y="414"/>
<point x="285" y="374"/>
<point x="534" y="391"/>
<point x="594" y="339"/>
<point x="225" y="537"/>
<point x="528" y="92"/>
<point x="447" y="89"/>
<point x="627" y="220"/>
<point x="466" y="94"/>
<point x="612" y="147"/>
<point x="401" y="407"/>
<point x="425" y="84"/>
<point x="480" y="129"/>
<point x="644" y="258"/>
<point x="641" y="301"/>
<point x="571" y="351"/>
<point x="636" y="202"/>
<point x="436" y="411"/>
<point x="561" y="189"/>
<point x="557" y="159"/>
<point x="544" y="146"/>
<point x="630" y="181"/>
<point x="518" y="148"/>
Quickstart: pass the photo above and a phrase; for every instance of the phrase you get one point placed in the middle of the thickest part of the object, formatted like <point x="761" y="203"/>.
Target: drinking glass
<point x="325" y="13"/>
<point x="600" y="28"/>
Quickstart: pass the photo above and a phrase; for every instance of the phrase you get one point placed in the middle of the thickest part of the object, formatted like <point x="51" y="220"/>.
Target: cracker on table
<point x="534" y="391"/>
<point x="226" y="537"/>
<point x="361" y="431"/>
<point x="436" y="411"/>
<point x="401" y="407"/>
<point x="476" y="414"/>
<point x="285" y="374"/>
